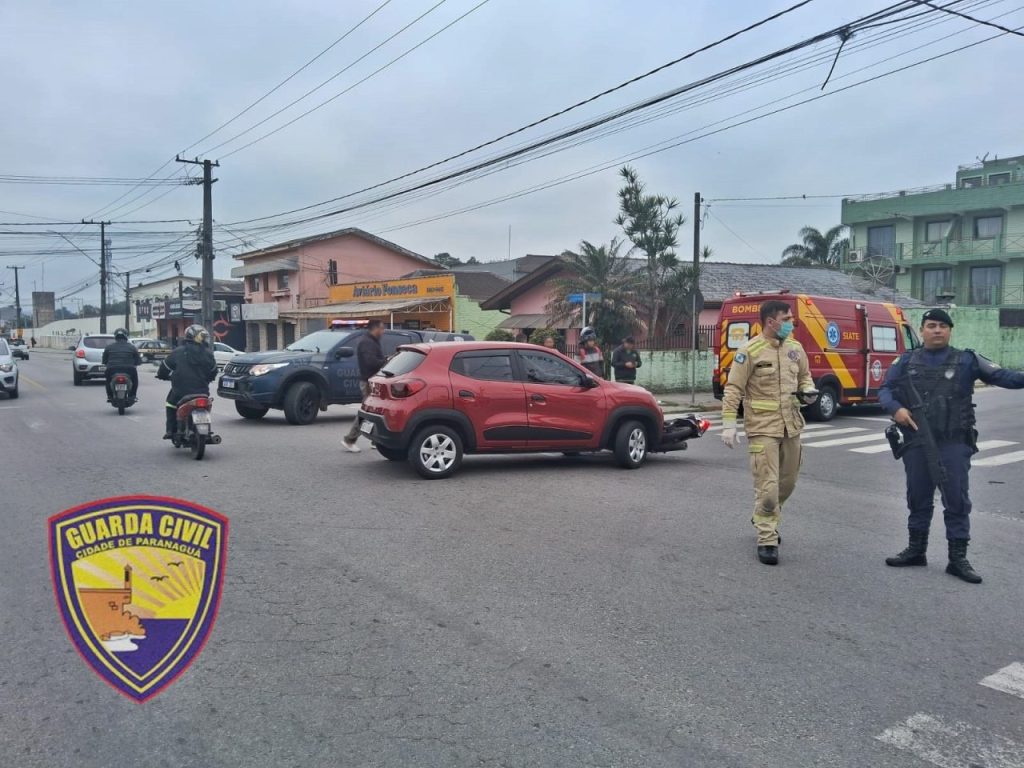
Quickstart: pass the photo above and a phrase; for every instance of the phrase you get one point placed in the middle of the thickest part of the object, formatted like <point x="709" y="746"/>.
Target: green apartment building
<point x="960" y="243"/>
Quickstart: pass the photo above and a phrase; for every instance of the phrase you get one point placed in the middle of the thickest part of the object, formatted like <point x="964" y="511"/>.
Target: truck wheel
<point x="631" y="444"/>
<point x="250" y="411"/>
<point x="77" y="378"/>
<point x="301" y="403"/>
<point x="392" y="454"/>
<point x="826" y="406"/>
<point x="436" y="452"/>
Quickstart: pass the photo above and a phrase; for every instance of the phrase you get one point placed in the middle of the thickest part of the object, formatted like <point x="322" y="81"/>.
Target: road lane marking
<point x="984" y="445"/>
<point x="872" y="449"/>
<point x="1009" y="679"/>
<point x="953" y="744"/>
<point x="36" y="384"/>
<point x="1001" y="459"/>
<point x="844" y="441"/>
<point x="831" y="432"/>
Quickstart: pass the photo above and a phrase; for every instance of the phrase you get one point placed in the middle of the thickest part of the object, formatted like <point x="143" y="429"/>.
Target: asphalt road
<point x="531" y="611"/>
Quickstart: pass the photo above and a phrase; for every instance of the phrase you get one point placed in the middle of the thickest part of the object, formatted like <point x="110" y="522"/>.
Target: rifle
<point x="936" y="471"/>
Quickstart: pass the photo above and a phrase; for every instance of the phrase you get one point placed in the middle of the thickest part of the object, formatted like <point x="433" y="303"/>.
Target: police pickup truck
<point x="310" y="374"/>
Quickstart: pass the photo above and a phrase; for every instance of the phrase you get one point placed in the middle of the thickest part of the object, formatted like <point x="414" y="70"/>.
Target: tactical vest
<point x="947" y="407"/>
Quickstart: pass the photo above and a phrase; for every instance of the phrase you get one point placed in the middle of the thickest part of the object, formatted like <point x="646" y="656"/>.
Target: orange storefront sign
<point x="426" y="288"/>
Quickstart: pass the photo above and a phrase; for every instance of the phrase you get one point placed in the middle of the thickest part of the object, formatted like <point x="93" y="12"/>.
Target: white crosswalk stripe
<point x="1000" y="460"/>
<point x="954" y="744"/>
<point x="851" y="440"/>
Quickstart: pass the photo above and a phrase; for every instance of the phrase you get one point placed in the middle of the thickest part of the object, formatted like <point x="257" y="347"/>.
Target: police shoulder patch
<point x="741" y="358"/>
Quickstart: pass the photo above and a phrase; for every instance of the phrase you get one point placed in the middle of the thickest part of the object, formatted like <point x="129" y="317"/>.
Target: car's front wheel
<point x="436" y="452"/>
<point x="631" y="445"/>
<point x="251" y="411"/>
<point x="301" y="403"/>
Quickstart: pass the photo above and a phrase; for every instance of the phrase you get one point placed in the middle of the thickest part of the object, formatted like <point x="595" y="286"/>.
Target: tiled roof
<point x="353" y="231"/>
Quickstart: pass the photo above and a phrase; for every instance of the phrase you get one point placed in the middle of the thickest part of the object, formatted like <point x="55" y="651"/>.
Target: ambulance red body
<point x="850" y="343"/>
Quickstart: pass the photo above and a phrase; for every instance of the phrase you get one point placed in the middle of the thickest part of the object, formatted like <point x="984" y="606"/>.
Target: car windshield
<point x="97" y="342"/>
<point x="318" y="341"/>
<point x="3" y="348"/>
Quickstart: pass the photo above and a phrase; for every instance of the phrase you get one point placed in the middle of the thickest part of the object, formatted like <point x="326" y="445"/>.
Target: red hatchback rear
<point x="433" y="403"/>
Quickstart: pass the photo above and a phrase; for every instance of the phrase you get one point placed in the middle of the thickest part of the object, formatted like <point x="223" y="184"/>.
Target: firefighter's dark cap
<point x="939" y="315"/>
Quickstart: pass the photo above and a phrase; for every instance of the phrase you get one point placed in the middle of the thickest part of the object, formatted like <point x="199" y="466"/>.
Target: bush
<point x="499" y="334"/>
<point x="538" y="336"/>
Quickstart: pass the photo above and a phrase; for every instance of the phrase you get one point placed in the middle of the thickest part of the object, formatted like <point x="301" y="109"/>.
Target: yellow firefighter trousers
<point x="774" y="463"/>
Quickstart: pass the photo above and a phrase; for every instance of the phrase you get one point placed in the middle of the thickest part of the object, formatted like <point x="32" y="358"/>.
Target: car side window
<point x="495" y="367"/>
<point x="543" y="368"/>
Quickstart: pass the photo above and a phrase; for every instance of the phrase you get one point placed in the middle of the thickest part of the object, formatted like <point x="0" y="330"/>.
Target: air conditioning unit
<point x="901" y="270"/>
<point x="856" y="255"/>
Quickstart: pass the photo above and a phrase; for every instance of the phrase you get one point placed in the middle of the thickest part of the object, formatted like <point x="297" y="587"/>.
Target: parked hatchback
<point x="433" y="403"/>
<point x="8" y="370"/>
<point x="88" y="360"/>
<point x="152" y="350"/>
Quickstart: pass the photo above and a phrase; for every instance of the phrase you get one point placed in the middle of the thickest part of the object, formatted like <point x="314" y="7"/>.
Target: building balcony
<point x="1001" y="248"/>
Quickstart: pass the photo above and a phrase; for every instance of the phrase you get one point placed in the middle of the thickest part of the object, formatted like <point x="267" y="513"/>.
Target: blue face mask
<point x="785" y="329"/>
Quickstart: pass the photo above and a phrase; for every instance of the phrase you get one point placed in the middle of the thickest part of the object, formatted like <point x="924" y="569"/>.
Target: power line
<point x="969" y="18"/>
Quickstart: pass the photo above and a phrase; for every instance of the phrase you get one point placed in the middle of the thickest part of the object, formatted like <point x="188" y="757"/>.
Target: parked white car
<point x="8" y="371"/>
<point x="222" y="353"/>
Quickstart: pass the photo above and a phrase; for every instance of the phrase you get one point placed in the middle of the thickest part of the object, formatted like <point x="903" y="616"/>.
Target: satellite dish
<point x="874" y="273"/>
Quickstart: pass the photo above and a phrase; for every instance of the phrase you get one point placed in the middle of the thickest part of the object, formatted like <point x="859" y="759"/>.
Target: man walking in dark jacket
<point x="371" y="359"/>
<point x="625" y="361"/>
<point x="122" y="357"/>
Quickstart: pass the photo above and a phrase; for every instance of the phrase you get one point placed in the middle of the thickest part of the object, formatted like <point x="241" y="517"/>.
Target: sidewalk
<point x="680" y="402"/>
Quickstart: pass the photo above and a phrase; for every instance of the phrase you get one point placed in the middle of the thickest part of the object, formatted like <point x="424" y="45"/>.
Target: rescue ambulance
<point x="850" y="344"/>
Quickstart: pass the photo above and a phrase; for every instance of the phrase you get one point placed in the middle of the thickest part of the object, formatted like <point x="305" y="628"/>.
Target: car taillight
<point x="407" y="388"/>
<point x="79" y="353"/>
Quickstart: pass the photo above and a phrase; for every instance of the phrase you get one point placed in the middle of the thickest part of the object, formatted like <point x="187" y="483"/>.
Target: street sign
<point x="694" y="301"/>
<point x="580" y="298"/>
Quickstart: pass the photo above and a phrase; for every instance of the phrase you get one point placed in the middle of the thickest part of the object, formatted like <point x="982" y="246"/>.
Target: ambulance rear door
<point x="884" y="342"/>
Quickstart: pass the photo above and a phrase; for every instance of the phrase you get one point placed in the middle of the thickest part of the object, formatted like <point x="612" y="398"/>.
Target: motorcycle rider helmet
<point x="121" y="334"/>
<point x="587" y="333"/>
<point x="196" y="334"/>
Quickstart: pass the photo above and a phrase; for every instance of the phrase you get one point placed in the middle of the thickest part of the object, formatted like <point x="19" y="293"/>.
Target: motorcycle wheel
<point x="198" y="446"/>
<point x="120" y="410"/>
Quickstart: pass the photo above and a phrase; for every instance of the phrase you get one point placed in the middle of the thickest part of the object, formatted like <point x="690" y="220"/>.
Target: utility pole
<point x="694" y="291"/>
<point x="127" y="292"/>
<point x="103" y="272"/>
<point x="207" y="246"/>
<point x="17" y="298"/>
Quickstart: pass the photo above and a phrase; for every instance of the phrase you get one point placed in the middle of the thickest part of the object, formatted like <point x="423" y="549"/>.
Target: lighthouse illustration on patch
<point x="138" y="583"/>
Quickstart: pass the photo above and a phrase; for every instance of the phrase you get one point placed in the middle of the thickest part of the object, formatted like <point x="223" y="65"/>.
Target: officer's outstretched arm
<point x="992" y="373"/>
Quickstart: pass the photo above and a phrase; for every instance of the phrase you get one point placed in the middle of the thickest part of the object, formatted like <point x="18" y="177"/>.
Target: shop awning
<point x="262" y="267"/>
<point x="371" y="308"/>
<point x="533" y="321"/>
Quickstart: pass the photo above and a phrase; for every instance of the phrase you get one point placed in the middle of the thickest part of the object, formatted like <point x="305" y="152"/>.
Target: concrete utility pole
<point x="206" y="251"/>
<point x="694" y="291"/>
<point x="103" y="272"/>
<point x="127" y="291"/>
<point x="17" y="298"/>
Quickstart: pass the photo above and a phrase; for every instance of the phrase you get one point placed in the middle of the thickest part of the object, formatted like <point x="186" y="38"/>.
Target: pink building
<point x="285" y="281"/>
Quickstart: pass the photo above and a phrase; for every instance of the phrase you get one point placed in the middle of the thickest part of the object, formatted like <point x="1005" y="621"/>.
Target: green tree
<point x="90" y="311"/>
<point x="538" y="336"/>
<point x="651" y="224"/>
<point x="827" y="249"/>
<point x="599" y="269"/>
<point x="500" y="334"/>
<point x="446" y="260"/>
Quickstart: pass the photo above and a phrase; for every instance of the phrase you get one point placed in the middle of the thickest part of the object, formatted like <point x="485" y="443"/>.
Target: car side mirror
<point x="344" y="352"/>
<point x="588" y="381"/>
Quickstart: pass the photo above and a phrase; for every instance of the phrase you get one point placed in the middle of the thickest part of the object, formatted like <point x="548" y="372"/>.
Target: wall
<point x="978" y="328"/>
<point x="671" y="370"/>
<point x="479" y="322"/>
<point x="533" y="301"/>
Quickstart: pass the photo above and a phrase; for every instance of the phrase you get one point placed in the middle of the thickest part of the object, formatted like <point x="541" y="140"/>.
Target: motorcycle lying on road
<point x="121" y="399"/>
<point x="195" y="426"/>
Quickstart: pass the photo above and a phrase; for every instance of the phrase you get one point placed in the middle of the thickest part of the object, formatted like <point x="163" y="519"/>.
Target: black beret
<point x="939" y="315"/>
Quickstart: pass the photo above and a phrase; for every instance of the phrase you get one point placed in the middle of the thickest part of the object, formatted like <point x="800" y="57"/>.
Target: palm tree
<point x="599" y="269"/>
<point x="827" y="250"/>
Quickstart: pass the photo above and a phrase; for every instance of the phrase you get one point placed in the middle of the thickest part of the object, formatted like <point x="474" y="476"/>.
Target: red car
<point x="433" y="403"/>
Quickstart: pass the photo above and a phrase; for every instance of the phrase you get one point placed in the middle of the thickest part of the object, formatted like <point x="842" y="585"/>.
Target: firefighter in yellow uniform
<point x="766" y="375"/>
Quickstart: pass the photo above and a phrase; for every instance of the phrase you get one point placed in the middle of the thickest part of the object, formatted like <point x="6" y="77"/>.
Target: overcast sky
<point x="115" y="89"/>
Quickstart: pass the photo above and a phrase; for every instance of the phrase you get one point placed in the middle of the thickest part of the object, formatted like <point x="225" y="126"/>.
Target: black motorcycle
<point x="120" y="397"/>
<point x="195" y="425"/>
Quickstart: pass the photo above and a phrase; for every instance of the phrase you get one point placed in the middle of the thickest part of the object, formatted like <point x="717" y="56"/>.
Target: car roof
<point x="472" y="346"/>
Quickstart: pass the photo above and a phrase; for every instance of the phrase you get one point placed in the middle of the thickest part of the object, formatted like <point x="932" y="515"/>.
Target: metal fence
<point x="707" y="336"/>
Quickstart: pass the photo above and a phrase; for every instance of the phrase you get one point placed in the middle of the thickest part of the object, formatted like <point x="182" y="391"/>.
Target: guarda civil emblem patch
<point x="138" y="583"/>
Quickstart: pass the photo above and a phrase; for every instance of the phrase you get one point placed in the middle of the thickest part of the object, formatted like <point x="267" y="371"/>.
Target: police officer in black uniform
<point x="937" y="382"/>
<point x="121" y="357"/>
<point x="190" y="368"/>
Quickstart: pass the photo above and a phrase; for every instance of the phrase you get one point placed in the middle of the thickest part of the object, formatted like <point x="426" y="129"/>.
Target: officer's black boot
<point x="959" y="565"/>
<point x="768" y="555"/>
<point x="914" y="553"/>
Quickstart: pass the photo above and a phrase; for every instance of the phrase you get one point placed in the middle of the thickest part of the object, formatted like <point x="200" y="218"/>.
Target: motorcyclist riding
<point x="121" y="357"/>
<point x="190" y="368"/>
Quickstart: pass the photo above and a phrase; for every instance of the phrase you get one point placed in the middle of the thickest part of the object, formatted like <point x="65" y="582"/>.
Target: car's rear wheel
<point x="77" y="378"/>
<point x="631" y="444"/>
<point x="250" y="411"/>
<point x="436" y="452"/>
<point x="392" y="454"/>
<point x="301" y="403"/>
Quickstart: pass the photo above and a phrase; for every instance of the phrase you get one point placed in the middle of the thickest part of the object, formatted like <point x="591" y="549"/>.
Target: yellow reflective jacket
<point x="764" y="375"/>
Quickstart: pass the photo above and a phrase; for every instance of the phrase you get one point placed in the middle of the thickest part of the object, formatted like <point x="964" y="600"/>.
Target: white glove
<point x="808" y="396"/>
<point x="730" y="437"/>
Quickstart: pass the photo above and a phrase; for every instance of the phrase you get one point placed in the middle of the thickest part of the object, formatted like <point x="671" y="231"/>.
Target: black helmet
<point x="197" y="334"/>
<point x="121" y="334"/>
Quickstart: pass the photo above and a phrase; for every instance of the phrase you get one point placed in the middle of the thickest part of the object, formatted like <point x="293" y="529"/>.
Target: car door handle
<point x="465" y="393"/>
<point x="538" y="398"/>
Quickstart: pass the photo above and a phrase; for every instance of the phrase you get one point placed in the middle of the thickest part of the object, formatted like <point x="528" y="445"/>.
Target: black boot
<point x="768" y="555"/>
<point x="914" y="553"/>
<point x="959" y="565"/>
